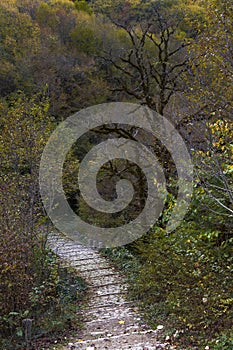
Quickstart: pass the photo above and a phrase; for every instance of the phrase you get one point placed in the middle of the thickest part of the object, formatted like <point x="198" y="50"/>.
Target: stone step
<point x="138" y="340"/>
<point x="72" y="251"/>
<point x="111" y="299"/>
<point x="89" y="262"/>
<point x="93" y="308"/>
<point x="111" y="321"/>
<point x="80" y="252"/>
<point x="109" y="289"/>
<point x="87" y="267"/>
<point x="100" y="330"/>
<point x="107" y="279"/>
<point x="67" y="244"/>
<point x="105" y="317"/>
<point x="110" y="311"/>
<point x="84" y="259"/>
<point x="95" y="273"/>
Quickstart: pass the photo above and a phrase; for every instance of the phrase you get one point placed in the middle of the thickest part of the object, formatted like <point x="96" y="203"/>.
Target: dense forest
<point x="174" y="56"/>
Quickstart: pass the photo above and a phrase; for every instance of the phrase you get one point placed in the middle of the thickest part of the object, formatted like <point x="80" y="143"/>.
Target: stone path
<point x="110" y="320"/>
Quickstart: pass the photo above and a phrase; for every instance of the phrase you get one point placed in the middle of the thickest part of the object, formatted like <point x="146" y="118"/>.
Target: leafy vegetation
<point x="32" y="283"/>
<point x="59" y="56"/>
<point x="175" y="281"/>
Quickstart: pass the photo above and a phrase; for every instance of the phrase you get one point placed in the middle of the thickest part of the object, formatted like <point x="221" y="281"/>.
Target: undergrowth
<point x="52" y="306"/>
<point x="182" y="281"/>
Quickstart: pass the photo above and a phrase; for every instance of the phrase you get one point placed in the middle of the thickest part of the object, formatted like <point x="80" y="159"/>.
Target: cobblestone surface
<point x="111" y="321"/>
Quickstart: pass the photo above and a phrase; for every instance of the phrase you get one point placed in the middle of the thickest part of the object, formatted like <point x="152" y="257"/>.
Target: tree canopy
<point x="174" y="56"/>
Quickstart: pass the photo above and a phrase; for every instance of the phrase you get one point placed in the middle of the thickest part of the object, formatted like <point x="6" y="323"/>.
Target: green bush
<point x="183" y="279"/>
<point x="223" y="342"/>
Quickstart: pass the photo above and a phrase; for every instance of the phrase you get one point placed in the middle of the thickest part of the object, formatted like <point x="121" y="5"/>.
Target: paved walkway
<point x="110" y="320"/>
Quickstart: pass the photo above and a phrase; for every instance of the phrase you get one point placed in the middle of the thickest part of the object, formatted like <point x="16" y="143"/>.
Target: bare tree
<point x="150" y="64"/>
